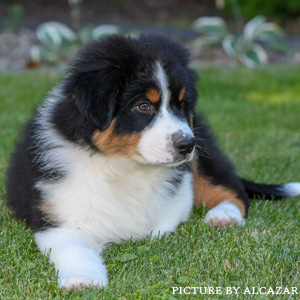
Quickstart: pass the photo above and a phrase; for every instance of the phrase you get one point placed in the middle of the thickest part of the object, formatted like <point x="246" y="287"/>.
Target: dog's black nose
<point x="184" y="144"/>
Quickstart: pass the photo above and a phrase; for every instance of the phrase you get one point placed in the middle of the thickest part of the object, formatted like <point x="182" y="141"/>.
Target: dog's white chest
<point x="111" y="201"/>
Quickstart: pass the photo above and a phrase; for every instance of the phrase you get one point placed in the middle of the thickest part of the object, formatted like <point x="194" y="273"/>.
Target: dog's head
<point x="139" y="94"/>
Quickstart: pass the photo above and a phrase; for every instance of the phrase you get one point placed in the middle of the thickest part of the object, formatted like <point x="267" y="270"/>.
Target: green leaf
<point x="254" y="57"/>
<point x="49" y="37"/>
<point x="269" y="31"/>
<point x="127" y="257"/>
<point x="210" y="25"/>
<point x="207" y="40"/>
<point x="252" y="27"/>
<point x="85" y="34"/>
<point x="280" y="45"/>
<point x="66" y="32"/>
<point x="111" y="266"/>
<point x="229" y="45"/>
<point x="52" y="34"/>
<point x="103" y="30"/>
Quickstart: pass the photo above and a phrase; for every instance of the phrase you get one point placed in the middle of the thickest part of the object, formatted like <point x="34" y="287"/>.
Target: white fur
<point x="156" y="145"/>
<point x="109" y="200"/>
<point x="224" y="214"/>
<point x="162" y="80"/>
<point x="78" y="264"/>
<point x="292" y="189"/>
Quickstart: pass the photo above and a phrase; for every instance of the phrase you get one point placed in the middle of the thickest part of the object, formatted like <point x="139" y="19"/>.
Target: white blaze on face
<point x="156" y="145"/>
<point x="162" y="81"/>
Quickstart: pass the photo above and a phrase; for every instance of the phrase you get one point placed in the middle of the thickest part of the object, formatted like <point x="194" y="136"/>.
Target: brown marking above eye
<point x="153" y="95"/>
<point x="181" y="95"/>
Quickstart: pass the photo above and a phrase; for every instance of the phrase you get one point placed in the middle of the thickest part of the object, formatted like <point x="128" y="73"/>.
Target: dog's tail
<point x="271" y="191"/>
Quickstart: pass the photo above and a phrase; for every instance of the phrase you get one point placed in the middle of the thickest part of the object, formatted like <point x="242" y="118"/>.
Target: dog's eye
<point x="144" y="107"/>
<point x="181" y="103"/>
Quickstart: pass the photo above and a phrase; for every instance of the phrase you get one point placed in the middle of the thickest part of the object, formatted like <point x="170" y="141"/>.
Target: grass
<point x="255" y="114"/>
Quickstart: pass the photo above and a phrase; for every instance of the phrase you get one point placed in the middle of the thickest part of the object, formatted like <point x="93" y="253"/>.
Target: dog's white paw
<point x="79" y="282"/>
<point x="79" y="266"/>
<point x="224" y="214"/>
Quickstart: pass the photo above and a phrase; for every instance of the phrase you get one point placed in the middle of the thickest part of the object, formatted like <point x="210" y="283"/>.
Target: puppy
<point x="111" y="154"/>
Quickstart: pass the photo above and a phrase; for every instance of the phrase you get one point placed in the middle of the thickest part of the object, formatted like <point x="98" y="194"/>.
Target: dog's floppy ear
<point x="94" y="92"/>
<point x="99" y="70"/>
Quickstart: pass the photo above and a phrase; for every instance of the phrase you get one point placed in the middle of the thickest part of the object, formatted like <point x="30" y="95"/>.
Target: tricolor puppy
<point x="111" y="154"/>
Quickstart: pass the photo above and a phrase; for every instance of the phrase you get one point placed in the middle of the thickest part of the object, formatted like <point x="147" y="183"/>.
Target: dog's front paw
<point x="224" y="214"/>
<point x="82" y="282"/>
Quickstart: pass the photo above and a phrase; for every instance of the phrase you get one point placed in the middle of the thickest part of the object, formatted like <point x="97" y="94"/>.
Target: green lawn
<point x="256" y="115"/>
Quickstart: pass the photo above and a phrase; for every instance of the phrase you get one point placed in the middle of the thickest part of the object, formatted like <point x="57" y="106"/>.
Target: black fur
<point x="118" y="67"/>
<point x="212" y="163"/>
<point x="23" y="173"/>
<point x="266" y="191"/>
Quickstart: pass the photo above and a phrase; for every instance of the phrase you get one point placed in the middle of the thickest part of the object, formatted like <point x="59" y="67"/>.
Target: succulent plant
<point x="246" y="48"/>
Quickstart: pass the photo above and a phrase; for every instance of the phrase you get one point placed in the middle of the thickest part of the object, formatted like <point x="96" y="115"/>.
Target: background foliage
<point x="279" y="9"/>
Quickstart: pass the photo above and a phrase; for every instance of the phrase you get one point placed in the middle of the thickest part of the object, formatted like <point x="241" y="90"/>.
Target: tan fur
<point x="210" y="195"/>
<point x="153" y="95"/>
<point x="110" y="143"/>
<point x="47" y="209"/>
<point x="181" y="95"/>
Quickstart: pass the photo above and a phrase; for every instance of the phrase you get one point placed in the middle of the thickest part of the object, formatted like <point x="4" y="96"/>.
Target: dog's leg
<point x="178" y="209"/>
<point x="79" y="266"/>
<point x="215" y="183"/>
<point x="226" y="208"/>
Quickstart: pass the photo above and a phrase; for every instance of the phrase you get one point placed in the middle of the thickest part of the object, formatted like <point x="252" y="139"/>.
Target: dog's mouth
<point x="180" y="161"/>
<point x="176" y="161"/>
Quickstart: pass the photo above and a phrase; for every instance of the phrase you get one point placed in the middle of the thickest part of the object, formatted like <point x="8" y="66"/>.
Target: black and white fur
<point x="81" y="188"/>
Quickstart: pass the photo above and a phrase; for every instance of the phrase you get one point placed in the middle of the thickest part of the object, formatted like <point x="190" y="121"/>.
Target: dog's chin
<point x="175" y="163"/>
<point x="185" y="159"/>
<point x="179" y="160"/>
